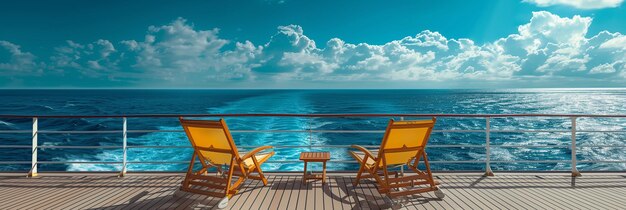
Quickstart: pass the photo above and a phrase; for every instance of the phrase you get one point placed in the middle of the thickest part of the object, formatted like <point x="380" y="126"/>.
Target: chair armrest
<point x="367" y="152"/>
<point x="257" y="150"/>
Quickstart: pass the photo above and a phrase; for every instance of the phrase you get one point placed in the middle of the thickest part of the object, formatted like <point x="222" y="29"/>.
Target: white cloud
<point x="615" y="43"/>
<point x="175" y="53"/>
<point x="544" y="34"/>
<point x="15" y="61"/>
<point x="176" y="47"/>
<point x="306" y="63"/>
<point x="547" y="45"/>
<point x="555" y="43"/>
<point x="96" y="59"/>
<point x="425" y="56"/>
<point x="550" y="44"/>
<point x="560" y="62"/>
<point x="622" y="72"/>
<point x="178" y="54"/>
<point x="552" y="28"/>
<point x="290" y="38"/>
<point x="580" y="4"/>
<point x="603" y="69"/>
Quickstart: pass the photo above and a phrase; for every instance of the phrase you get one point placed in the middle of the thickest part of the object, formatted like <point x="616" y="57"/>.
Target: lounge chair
<point x="404" y="143"/>
<point x="214" y="146"/>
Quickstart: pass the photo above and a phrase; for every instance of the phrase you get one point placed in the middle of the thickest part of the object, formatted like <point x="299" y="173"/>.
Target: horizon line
<point x="523" y="88"/>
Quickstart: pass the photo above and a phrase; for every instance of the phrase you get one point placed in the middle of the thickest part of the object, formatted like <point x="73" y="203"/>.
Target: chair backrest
<point x="405" y="140"/>
<point x="211" y="140"/>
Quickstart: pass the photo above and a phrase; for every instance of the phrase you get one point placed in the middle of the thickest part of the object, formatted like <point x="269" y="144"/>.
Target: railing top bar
<point x="313" y="115"/>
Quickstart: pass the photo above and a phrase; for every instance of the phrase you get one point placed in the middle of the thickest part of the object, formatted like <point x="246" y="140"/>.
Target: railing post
<point x="488" y="171"/>
<point x="124" y="129"/>
<point x="33" y="167"/>
<point x="575" y="172"/>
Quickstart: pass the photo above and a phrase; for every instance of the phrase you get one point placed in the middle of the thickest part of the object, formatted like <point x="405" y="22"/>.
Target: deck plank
<point x="292" y="195"/>
<point x="611" y="199"/>
<point x="303" y="195"/>
<point x="318" y="194"/>
<point x="162" y="198"/>
<point x="554" y="185"/>
<point x="123" y="196"/>
<point x="277" y="191"/>
<point x="334" y="194"/>
<point x="452" y="194"/>
<point x="529" y="194"/>
<point x="466" y="195"/>
<point x="43" y="190"/>
<point x="475" y="194"/>
<point x="21" y="187"/>
<point x="248" y="193"/>
<point x="286" y="191"/>
<point x="267" y="194"/>
<point x="495" y="192"/>
<point x="109" y="193"/>
<point x="88" y="188"/>
<point x="146" y="198"/>
<point x="295" y="193"/>
<point x="361" y="194"/>
<point x="310" y="195"/>
<point x="282" y="189"/>
<point x="426" y="200"/>
<point x="535" y="200"/>
<point x="348" y="192"/>
<point x="163" y="195"/>
<point x="375" y="199"/>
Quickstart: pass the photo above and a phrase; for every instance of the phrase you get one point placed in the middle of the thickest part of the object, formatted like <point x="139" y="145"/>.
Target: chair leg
<point x="383" y="183"/>
<point x="304" y="173"/>
<point x="258" y="170"/>
<point x="358" y="175"/>
<point x="324" y="173"/>
<point x="230" y="178"/>
<point x="189" y="171"/>
<point x="385" y="171"/>
<point x="430" y="180"/>
<point x="219" y="171"/>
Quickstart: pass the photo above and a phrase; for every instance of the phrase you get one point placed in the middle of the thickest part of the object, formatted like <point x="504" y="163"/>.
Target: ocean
<point x="119" y="102"/>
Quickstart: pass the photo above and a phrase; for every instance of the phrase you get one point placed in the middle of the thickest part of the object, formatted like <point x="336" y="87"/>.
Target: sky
<point x="313" y="44"/>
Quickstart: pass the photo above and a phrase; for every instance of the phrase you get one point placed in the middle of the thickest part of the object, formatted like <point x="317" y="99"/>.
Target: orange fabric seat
<point x="404" y="142"/>
<point x="214" y="147"/>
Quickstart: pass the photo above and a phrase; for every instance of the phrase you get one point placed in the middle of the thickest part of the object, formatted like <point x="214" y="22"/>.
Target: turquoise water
<point x="118" y="102"/>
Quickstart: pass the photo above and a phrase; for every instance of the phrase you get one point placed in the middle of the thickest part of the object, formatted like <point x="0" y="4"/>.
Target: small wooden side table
<point x="315" y="157"/>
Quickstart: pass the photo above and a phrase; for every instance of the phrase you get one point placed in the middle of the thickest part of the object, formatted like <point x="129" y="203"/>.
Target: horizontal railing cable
<point x="486" y="145"/>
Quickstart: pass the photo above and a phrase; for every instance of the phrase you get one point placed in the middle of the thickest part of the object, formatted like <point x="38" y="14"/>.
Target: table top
<point x="315" y="156"/>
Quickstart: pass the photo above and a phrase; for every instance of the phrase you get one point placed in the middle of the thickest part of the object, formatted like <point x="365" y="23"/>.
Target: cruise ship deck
<point x="286" y="191"/>
<point x="508" y="189"/>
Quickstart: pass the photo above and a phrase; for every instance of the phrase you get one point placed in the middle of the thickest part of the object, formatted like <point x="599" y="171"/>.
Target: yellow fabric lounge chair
<point x="214" y="146"/>
<point x="404" y="143"/>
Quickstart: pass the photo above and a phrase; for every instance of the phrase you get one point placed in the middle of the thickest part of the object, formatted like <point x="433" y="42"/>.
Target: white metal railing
<point x="487" y="161"/>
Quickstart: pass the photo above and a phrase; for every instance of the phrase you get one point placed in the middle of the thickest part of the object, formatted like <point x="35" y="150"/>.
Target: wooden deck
<point x="285" y="191"/>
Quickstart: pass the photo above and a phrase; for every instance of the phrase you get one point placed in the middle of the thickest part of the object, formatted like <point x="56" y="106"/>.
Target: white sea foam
<point x="6" y="123"/>
<point x="294" y="102"/>
<point x="104" y="156"/>
<point x="266" y="103"/>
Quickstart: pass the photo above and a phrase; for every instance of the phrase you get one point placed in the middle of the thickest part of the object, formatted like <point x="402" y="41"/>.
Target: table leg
<point x="304" y="176"/>
<point x="324" y="173"/>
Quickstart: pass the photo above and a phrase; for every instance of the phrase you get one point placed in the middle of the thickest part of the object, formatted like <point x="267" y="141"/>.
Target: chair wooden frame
<point x="389" y="185"/>
<point x="220" y="185"/>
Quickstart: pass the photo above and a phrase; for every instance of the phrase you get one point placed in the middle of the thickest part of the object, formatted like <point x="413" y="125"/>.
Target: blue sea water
<point x="119" y="102"/>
